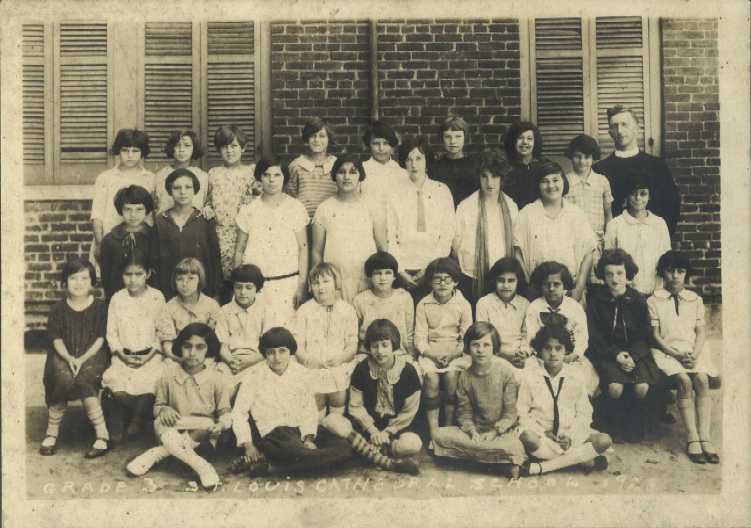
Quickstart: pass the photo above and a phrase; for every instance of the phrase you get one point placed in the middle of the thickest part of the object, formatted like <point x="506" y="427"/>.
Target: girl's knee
<point x="683" y="384"/>
<point x="337" y="424"/>
<point x="601" y="442"/>
<point x="641" y="390"/>
<point x="531" y="441"/>
<point x="407" y="444"/>
<point x="615" y="390"/>
<point x="701" y="383"/>
<point x="337" y="399"/>
<point x="431" y="388"/>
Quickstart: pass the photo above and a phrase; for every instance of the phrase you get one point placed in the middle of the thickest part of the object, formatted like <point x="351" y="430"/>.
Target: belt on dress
<point x="142" y="352"/>
<point x="280" y="277"/>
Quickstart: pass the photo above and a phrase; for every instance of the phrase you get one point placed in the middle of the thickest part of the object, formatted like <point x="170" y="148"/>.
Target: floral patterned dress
<point x="229" y="189"/>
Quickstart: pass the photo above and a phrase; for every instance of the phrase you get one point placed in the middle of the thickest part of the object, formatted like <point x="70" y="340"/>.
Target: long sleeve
<point x="465" y="322"/>
<point x="581" y="334"/>
<point x="351" y="334"/>
<point x="531" y="324"/>
<point x="509" y="413"/>
<point x="241" y="413"/>
<point x="421" y="329"/>
<point x="524" y="404"/>
<point x="446" y="233"/>
<point x="600" y="346"/>
<point x="113" y="332"/>
<point x="98" y="204"/>
<point x="580" y="428"/>
<point x="214" y="263"/>
<point x="464" y="412"/>
<point x="293" y="185"/>
<point x="406" y="415"/>
<point x="408" y="307"/>
<point x="642" y="327"/>
<point x="357" y="410"/>
<point x="669" y="195"/>
<point x="161" y="395"/>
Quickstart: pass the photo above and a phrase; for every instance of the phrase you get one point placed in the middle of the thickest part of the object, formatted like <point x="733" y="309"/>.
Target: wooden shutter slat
<point x="33" y="80"/>
<point x="619" y="81"/>
<point x="168" y="82"/>
<point x="560" y="101"/>
<point x="83" y="40"/>
<point x="83" y="94"/>
<point x="619" y="32"/>
<point x="558" y="34"/>
<point x="230" y="81"/>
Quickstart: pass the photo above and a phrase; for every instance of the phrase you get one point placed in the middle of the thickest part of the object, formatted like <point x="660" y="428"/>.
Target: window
<point x="578" y="68"/>
<point x="193" y="75"/>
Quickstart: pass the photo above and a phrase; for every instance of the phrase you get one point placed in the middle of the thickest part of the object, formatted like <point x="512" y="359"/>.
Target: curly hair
<point x="616" y="257"/>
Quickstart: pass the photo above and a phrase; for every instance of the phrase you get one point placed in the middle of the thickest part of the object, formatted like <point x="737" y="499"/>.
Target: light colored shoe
<point x="140" y="465"/>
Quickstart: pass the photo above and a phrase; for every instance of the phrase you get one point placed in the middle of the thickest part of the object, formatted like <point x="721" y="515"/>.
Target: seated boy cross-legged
<point x="280" y="395"/>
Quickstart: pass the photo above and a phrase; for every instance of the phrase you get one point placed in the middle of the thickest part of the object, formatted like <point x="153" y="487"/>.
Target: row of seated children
<point x="61" y="374"/>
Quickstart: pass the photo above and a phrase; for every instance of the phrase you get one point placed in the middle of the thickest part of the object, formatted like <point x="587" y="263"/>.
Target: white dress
<point x="272" y="246"/>
<point x="566" y="238"/>
<point x="679" y="330"/>
<point x="349" y="241"/>
<point x="324" y="332"/>
<point x="132" y="325"/>
<point x="645" y="239"/>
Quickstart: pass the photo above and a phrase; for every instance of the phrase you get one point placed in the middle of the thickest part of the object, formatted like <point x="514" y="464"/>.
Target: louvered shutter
<point x="82" y="54"/>
<point x="559" y="86"/>
<point x="622" y="71"/>
<point x="582" y="67"/>
<point x="34" y="79"/>
<point x="168" y="82"/>
<point x="230" y="83"/>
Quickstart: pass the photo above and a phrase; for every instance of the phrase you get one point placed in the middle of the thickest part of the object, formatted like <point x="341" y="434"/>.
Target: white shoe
<point x="140" y="465"/>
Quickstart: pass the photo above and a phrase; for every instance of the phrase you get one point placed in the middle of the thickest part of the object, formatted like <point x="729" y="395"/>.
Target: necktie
<point x="675" y="300"/>
<point x="556" y="416"/>
<point x="129" y="244"/>
<point x="420" y="213"/>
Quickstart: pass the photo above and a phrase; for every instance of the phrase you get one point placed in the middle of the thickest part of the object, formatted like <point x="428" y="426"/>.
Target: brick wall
<point x="319" y="69"/>
<point x="691" y="143"/>
<point x="55" y="232"/>
<point x="428" y="68"/>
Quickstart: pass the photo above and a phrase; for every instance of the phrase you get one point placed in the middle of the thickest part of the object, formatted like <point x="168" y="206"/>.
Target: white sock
<point x="575" y="455"/>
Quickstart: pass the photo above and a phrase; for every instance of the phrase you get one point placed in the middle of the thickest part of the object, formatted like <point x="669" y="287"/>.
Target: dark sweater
<point x="664" y="199"/>
<point x="459" y="175"/>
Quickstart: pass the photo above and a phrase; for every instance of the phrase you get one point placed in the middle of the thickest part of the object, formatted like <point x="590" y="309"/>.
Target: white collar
<point x="630" y="153"/>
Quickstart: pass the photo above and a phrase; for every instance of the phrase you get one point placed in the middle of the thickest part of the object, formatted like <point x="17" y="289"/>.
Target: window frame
<point x="652" y="125"/>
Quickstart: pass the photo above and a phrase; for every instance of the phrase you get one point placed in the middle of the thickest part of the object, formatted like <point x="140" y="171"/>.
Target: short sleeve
<point x="321" y="216"/>
<point x="359" y="376"/>
<point x="243" y="218"/>
<point x="411" y="379"/>
<point x="165" y="326"/>
<point x="298" y="218"/>
<point x="654" y="315"/>
<point x="699" y="311"/>
<point x="98" y="204"/>
<point x="607" y="193"/>
<point x="55" y="322"/>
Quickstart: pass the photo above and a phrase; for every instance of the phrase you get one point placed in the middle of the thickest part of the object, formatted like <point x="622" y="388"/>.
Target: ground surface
<point x="657" y="465"/>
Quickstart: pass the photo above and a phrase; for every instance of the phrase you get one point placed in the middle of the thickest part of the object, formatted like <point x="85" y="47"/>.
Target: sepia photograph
<point x="327" y="264"/>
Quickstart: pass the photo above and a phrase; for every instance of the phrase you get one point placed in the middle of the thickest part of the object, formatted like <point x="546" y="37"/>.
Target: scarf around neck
<point x="482" y="263"/>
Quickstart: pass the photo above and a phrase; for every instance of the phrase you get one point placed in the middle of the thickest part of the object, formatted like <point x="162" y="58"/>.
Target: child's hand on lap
<point x="625" y="361"/>
<point x="489" y="436"/>
<point x="168" y="417"/>
<point x="475" y="436"/>
<point x="308" y="443"/>
<point x="380" y="438"/>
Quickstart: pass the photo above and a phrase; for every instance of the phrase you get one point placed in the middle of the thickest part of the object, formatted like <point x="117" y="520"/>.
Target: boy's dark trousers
<point x="284" y="448"/>
<point x="121" y="408"/>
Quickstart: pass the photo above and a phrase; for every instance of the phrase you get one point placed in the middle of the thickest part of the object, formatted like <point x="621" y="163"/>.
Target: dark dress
<point x="519" y="183"/>
<point x="459" y="175"/>
<point x="664" y="198"/>
<point x="617" y="324"/>
<point x="197" y="238"/>
<point x="406" y="386"/>
<point x="78" y="330"/>
<point x="117" y="245"/>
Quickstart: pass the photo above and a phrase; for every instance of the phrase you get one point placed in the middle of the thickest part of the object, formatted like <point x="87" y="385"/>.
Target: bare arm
<point x="240" y="245"/>
<point x="319" y="243"/>
<point x="302" y="266"/>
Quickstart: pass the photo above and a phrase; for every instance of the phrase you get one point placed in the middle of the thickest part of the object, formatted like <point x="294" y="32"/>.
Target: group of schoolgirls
<point x="515" y="385"/>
